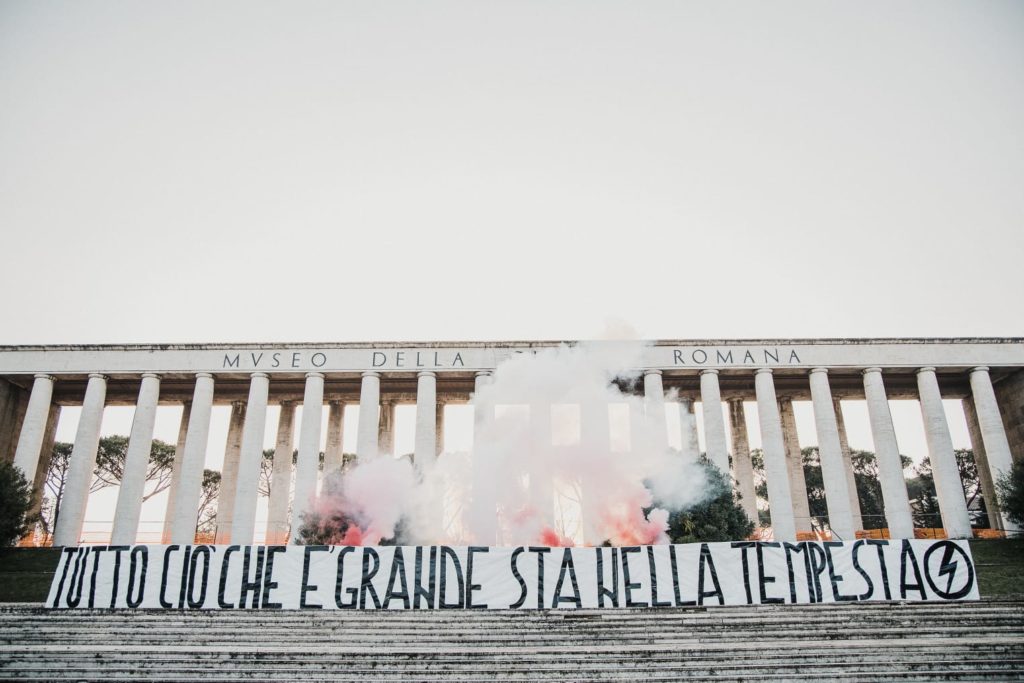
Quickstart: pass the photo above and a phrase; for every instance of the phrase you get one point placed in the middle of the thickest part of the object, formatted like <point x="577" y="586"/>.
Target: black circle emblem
<point x="951" y="567"/>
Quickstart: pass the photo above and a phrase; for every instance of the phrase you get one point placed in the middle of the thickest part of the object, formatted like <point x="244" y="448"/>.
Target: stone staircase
<point x="860" y="642"/>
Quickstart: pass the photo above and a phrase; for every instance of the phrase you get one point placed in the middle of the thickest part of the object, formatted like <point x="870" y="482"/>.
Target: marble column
<point x="689" y="443"/>
<point x="988" y="487"/>
<point x="308" y="462"/>
<point x="654" y="406"/>
<point x="776" y="472"/>
<point x="369" y="406"/>
<point x="33" y="427"/>
<point x="830" y="452"/>
<point x="949" y="489"/>
<point x="334" y="453"/>
<point x="45" y="456"/>
<point x="595" y="441"/>
<point x="281" y="476"/>
<point x="229" y="473"/>
<point x="386" y="428"/>
<point x="993" y="434"/>
<point x="542" y="489"/>
<point x="179" y="455"/>
<point x="243" y="526"/>
<point x="742" y="464"/>
<point x="83" y="462"/>
<point x="887" y="453"/>
<point x="795" y="466"/>
<point x="851" y="475"/>
<point x="136" y="462"/>
<point x="439" y="429"/>
<point x="425" y="449"/>
<point x="714" y="424"/>
<point x="482" y="517"/>
<point x="186" y="504"/>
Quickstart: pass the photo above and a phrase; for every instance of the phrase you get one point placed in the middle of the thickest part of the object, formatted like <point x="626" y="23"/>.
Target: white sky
<point x="338" y="171"/>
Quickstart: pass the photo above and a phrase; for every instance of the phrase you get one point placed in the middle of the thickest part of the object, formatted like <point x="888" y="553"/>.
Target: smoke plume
<point x="564" y="452"/>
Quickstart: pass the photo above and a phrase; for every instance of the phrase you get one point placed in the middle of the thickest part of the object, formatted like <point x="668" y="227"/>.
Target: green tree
<point x="719" y="517"/>
<point x="15" y="502"/>
<point x="924" y="500"/>
<point x="110" y="458"/>
<point x="207" y="515"/>
<point x="1010" y="487"/>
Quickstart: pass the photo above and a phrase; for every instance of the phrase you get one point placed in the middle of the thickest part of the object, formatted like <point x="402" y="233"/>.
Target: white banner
<point x="444" y="577"/>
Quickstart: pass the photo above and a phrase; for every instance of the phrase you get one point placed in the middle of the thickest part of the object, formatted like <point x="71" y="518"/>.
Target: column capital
<point x="709" y="371"/>
<point x="314" y="374"/>
<point x="43" y="375"/>
<point x="371" y="373"/>
<point x="652" y="371"/>
<point x="286" y="402"/>
<point x="761" y="371"/>
<point x="980" y="368"/>
<point x="925" y="369"/>
<point x="867" y="370"/>
<point x="204" y="374"/>
<point x="97" y="375"/>
<point x="258" y="374"/>
<point x="814" y="370"/>
<point x="426" y="373"/>
<point x="483" y="373"/>
<point x="335" y="402"/>
<point x="150" y="374"/>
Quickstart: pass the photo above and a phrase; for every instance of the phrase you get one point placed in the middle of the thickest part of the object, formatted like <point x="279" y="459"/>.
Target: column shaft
<point x="439" y="429"/>
<point x="281" y="476"/>
<point x="386" y="428"/>
<point x="542" y="489"/>
<point x="851" y="475"/>
<point x="689" y="443"/>
<point x="334" y="454"/>
<point x="426" y="420"/>
<point x="714" y="422"/>
<point x="887" y="454"/>
<point x="369" y="405"/>
<point x="179" y="455"/>
<point x="595" y="441"/>
<point x="136" y="462"/>
<point x="45" y="457"/>
<point x="830" y="452"/>
<point x="83" y="461"/>
<point x="33" y="427"/>
<point x="193" y="461"/>
<point x="776" y="472"/>
<point x="308" y="462"/>
<point x="948" y="487"/>
<point x="795" y="466"/>
<point x="243" y="526"/>
<point x="988" y="487"/>
<point x="993" y="434"/>
<point x="742" y="464"/>
<point x="229" y="473"/>
<point x="654" y="406"/>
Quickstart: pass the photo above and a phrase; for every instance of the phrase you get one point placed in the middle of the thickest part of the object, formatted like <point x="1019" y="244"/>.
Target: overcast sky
<point x="340" y="171"/>
<point x="330" y="171"/>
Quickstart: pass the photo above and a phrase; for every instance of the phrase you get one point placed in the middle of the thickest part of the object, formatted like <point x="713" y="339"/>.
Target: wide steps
<point x="841" y="643"/>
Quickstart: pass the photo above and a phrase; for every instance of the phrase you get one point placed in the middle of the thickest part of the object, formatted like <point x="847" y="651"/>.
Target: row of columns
<point x="244" y="452"/>
<point x="787" y="491"/>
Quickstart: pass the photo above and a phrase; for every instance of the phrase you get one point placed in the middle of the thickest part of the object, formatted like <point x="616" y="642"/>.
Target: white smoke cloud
<point x="561" y="455"/>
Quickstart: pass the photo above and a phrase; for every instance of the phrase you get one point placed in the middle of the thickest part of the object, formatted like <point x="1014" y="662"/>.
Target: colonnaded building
<point x="986" y="374"/>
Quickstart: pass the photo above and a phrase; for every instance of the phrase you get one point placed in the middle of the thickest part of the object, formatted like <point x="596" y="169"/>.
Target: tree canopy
<point x="15" y="502"/>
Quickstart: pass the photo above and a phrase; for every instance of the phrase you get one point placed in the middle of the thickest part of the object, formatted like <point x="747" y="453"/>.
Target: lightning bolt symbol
<point x="948" y="566"/>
